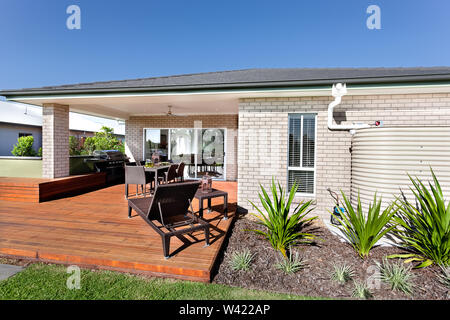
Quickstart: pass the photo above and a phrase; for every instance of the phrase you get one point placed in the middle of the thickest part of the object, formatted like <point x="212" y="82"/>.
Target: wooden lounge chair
<point x="168" y="210"/>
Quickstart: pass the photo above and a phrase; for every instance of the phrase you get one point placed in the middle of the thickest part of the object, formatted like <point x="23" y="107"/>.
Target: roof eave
<point x="10" y="94"/>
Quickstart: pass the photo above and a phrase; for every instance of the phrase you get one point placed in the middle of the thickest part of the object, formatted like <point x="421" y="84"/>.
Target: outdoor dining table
<point x="156" y="169"/>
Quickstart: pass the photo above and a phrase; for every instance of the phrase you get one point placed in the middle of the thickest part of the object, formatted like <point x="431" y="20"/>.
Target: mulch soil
<point x="314" y="280"/>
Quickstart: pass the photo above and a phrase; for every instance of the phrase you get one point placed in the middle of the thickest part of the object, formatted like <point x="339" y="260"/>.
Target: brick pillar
<point x="55" y="141"/>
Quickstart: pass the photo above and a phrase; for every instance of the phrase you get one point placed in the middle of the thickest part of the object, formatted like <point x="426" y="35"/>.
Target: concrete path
<point x="8" y="270"/>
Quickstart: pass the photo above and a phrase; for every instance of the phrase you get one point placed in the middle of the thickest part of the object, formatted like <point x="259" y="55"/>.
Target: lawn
<point x="42" y="281"/>
<point x="20" y="168"/>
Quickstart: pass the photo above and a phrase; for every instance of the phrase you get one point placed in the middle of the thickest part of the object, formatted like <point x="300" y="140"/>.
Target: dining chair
<point x="180" y="172"/>
<point x="137" y="175"/>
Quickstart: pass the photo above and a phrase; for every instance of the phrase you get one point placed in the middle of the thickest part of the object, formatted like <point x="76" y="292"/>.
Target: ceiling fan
<point x="170" y="114"/>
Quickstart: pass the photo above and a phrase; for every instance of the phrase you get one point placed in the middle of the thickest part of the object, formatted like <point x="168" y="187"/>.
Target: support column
<point x="55" y="141"/>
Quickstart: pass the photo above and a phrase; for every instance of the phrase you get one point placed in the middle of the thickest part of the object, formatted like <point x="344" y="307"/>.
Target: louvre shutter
<point x="304" y="179"/>
<point x="295" y="129"/>
<point x="309" y="129"/>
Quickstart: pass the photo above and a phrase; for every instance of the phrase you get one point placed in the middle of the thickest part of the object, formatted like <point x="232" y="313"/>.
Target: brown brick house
<point x="252" y="125"/>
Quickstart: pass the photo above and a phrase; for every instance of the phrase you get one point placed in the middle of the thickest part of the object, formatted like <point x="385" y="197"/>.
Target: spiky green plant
<point x="444" y="276"/>
<point x="424" y="230"/>
<point x="397" y="275"/>
<point x="283" y="226"/>
<point x="364" y="230"/>
<point x="361" y="290"/>
<point x="342" y="273"/>
<point x="241" y="260"/>
<point x="290" y="265"/>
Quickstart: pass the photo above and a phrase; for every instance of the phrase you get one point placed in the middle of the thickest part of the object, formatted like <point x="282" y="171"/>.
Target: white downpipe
<point x="337" y="92"/>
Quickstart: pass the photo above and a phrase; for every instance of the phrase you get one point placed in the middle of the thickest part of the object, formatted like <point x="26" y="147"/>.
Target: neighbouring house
<point x="18" y="120"/>
<point x="350" y="129"/>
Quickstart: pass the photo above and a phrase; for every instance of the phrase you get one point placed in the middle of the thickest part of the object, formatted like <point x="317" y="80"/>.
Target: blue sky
<point x="134" y="39"/>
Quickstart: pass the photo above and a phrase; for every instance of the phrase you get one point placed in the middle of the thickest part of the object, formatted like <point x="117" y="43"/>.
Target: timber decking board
<point x="39" y="189"/>
<point x="92" y="229"/>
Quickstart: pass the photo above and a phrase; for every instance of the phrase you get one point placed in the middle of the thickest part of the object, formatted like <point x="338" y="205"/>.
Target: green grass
<point x="48" y="282"/>
<point x="21" y="168"/>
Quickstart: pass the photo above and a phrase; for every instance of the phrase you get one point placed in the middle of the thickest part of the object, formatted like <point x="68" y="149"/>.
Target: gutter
<point x="60" y="90"/>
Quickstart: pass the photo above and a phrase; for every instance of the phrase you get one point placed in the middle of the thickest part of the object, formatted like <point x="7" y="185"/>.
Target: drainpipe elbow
<point x="337" y="91"/>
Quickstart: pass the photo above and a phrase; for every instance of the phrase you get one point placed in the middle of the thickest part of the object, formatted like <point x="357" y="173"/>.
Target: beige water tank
<point x="382" y="157"/>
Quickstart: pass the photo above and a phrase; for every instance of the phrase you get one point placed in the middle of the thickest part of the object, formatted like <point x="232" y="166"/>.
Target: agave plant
<point x="424" y="230"/>
<point x="290" y="265"/>
<point x="397" y="275"/>
<point x="361" y="290"/>
<point x="444" y="276"/>
<point x="241" y="260"/>
<point x="282" y="225"/>
<point x="364" y="230"/>
<point x="342" y="273"/>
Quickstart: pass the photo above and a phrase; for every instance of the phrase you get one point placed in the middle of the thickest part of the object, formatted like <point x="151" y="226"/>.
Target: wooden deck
<point x="40" y="189"/>
<point x="93" y="230"/>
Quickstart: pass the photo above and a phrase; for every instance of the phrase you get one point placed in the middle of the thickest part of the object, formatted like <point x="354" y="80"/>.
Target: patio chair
<point x="180" y="171"/>
<point x="170" y="174"/>
<point x="168" y="209"/>
<point x="137" y="175"/>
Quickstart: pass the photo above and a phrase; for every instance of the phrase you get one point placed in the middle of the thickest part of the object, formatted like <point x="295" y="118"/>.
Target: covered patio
<point x="93" y="230"/>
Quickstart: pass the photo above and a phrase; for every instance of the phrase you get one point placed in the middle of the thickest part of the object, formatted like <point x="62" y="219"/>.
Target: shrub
<point x="74" y="146"/>
<point x="241" y="260"/>
<point x="398" y="275"/>
<point x="283" y="227"/>
<point x="40" y="152"/>
<point x="102" y="140"/>
<point x="364" y="230"/>
<point x="361" y="290"/>
<point x="444" y="276"/>
<point x="342" y="273"/>
<point x="424" y="230"/>
<point x="24" y="147"/>
<point x="290" y="265"/>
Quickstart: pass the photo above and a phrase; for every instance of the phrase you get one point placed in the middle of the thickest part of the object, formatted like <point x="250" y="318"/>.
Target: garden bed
<point x="320" y="257"/>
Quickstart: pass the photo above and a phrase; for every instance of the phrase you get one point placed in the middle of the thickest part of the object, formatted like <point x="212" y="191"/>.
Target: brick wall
<point x="55" y="141"/>
<point x="135" y="125"/>
<point x="263" y="136"/>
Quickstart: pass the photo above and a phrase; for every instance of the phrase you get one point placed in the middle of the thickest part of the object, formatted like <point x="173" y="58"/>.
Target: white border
<point x="314" y="169"/>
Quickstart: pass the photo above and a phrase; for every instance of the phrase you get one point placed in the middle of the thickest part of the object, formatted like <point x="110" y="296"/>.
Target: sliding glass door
<point x="156" y="141"/>
<point x="202" y="150"/>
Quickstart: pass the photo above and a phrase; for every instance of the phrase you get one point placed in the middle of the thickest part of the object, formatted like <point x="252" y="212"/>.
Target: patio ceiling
<point x="123" y="106"/>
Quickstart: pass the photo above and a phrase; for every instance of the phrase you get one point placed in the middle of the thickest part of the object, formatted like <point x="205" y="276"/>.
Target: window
<point x="21" y="134"/>
<point x="301" y="152"/>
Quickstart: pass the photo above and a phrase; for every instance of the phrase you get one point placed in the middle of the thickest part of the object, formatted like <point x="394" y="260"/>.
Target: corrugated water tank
<point x="382" y="157"/>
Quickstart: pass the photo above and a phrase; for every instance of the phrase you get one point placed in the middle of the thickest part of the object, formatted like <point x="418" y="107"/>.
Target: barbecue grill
<point x="110" y="161"/>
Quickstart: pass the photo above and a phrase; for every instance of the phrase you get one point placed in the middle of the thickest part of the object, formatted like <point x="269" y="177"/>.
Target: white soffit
<point x="122" y="106"/>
